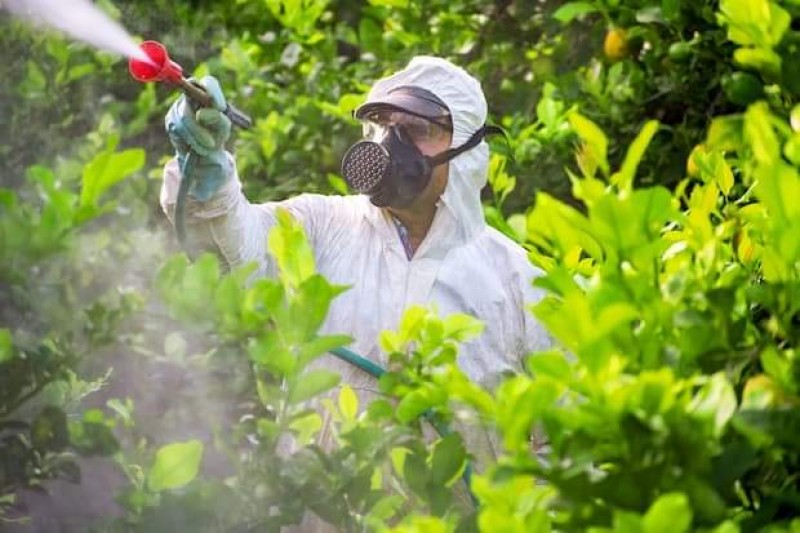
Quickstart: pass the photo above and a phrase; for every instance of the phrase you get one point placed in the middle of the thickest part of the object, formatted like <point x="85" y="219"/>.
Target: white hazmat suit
<point x="462" y="265"/>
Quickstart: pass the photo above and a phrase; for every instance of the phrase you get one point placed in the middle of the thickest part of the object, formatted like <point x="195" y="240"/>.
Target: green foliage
<point x="176" y="465"/>
<point x="651" y="171"/>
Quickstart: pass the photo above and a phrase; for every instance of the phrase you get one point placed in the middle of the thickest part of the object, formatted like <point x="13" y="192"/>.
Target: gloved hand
<point x="201" y="132"/>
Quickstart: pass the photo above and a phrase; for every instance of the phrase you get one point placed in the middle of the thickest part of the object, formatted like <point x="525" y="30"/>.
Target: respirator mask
<point x="388" y="166"/>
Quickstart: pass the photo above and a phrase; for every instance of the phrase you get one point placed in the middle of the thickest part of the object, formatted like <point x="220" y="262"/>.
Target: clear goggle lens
<point x="418" y="129"/>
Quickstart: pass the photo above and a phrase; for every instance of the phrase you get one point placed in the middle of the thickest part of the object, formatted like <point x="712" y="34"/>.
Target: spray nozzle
<point x="162" y="68"/>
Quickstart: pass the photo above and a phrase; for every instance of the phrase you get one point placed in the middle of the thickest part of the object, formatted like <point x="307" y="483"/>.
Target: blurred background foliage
<point x="81" y="235"/>
<point x="301" y="73"/>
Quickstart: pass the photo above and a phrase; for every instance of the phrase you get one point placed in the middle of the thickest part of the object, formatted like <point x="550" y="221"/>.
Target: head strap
<point x="473" y="141"/>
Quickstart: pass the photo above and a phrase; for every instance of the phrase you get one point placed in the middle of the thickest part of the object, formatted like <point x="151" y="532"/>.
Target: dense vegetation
<point x="652" y="169"/>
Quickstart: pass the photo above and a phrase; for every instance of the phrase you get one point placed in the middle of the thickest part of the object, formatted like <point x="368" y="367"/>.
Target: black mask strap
<point x="472" y="142"/>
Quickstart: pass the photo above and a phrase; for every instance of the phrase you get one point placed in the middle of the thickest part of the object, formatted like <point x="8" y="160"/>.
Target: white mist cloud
<point x="80" y="19"/>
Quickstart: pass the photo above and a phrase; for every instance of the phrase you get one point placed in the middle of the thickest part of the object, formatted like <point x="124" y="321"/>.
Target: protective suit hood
<point x="467" y="175"/>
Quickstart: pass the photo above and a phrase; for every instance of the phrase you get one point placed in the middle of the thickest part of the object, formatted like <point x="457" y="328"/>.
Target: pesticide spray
<point x="147" y="62"/>
<point x="79" y="19"/>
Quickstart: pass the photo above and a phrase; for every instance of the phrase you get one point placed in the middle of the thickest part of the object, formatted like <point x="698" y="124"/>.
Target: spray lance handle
<point x="162" y="68"/>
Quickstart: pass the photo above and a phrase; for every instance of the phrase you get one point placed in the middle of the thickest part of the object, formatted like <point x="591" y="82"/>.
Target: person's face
<point x="431" y="137"/>
<point x="432" y="147"/>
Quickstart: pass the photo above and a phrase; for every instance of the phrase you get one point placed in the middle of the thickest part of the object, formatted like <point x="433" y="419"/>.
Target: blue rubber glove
<point x="201" y="132"/>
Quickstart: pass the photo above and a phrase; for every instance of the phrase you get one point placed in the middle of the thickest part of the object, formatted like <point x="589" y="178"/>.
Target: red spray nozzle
<point x="162" y="68"/>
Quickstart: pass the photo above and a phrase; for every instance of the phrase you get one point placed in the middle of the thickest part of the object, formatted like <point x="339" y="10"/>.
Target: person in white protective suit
<point x="416" y="234"/>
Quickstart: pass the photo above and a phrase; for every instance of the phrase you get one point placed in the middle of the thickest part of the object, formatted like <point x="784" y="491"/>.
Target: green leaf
<point x="6" y="345"/>
<point x="794" y="118"/>
<point x="461" y="327"/>
<point x="548" y="111"/>
<point x="370" y="34"/>
<point x="716" y="400"/>
<point x="624" y="178"/>
<point x="593" y="137"/>
<point x="320" y="345"/>
<point x="552" y="363"/>
<point x="779" y="367"/>
<point x="79" y="71"/>
<point x="414" y="404"/>
<point x="49" y="430"/>
<point x="554" y="224"/>
<point x="176" y="465"/>
<point x="338" y="184"/>
<point x="634" y="224"/>
<point x="309" y="307"/>
<point x="726" y="133"/>
<point x="791" y="149"/>
<point x="410" y="326"/>
<point x="780" y="21"/>
<point x="107" y="169"/>
<point x="289" y="246"/>
<point x="758" y="132"/>
<point x="348" y="403"/>
<point x="728" y="526"/>
<point x="571" y="10"/>
<point x="306" y="426"/>
<point x="520" y="402"/>
<point x="627" y="522"/>
<point x="415" y="473"/>
<point x="397" y="456"/>
<point x="501" y="182"/>
<point x="670" y="513"/>
<point x="761" y="59"/>
<point x="310" y="384"/>
<point x="35" y="80"/>
<point x="754" y="22"/>
<point x="671" y="9"/>
<point x="449" y="459"/>
<point x="519" y="225"/>
<point x="270" y="351"/>
<point x="92" y="436"/>
<point x="722" y="172"/>
<point x="389" y="3"/>
<point x="777" y="188"/>
<point x="269" y="429"/>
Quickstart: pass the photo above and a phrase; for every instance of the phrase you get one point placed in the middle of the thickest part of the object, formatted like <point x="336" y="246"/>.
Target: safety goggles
<point x="420" y="130"/>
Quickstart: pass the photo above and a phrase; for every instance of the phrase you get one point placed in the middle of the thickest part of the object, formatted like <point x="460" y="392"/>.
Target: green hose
<point x="180" y="202"/>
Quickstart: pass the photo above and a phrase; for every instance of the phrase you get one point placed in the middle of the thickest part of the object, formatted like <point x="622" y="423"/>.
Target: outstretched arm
<point x="226" y="223"/>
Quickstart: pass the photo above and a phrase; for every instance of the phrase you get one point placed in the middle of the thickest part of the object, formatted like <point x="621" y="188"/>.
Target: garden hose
<point x="377" y="371"/>
<point x="180" y="202"/>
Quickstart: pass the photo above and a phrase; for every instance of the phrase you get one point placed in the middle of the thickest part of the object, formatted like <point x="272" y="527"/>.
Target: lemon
<point x="615" y="45"/>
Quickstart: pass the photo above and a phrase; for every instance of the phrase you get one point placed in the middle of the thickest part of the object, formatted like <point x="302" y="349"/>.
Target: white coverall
<point x="462" y="265"/>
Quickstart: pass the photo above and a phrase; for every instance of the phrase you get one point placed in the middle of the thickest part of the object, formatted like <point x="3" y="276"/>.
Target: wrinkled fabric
<point x="462" y="265"/>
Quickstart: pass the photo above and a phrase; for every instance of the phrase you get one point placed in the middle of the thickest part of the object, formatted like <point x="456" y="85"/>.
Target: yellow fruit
<point x="615" y="44"/>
